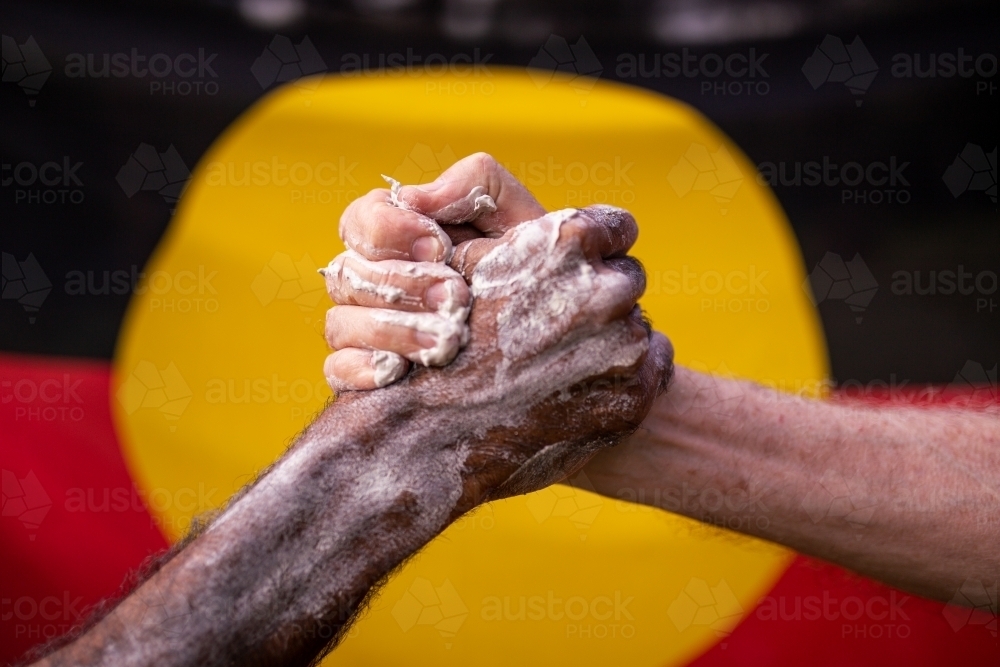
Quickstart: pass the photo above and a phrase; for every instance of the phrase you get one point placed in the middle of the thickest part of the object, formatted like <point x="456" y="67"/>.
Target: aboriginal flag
<point x="162" y="315"/>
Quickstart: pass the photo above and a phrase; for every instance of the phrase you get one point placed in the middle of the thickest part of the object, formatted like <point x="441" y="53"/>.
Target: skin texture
<point x="923" y="483"/>
<point x="922" y="486"/>
<point x="278" y="575"/>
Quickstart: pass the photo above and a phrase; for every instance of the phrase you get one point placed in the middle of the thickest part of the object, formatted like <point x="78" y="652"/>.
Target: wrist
<point x="690" y="450"/>
<point x="444" y="443"/>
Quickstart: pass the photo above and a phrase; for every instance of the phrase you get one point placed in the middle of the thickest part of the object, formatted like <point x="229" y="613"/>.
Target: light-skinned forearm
<point x="904" y="494"/>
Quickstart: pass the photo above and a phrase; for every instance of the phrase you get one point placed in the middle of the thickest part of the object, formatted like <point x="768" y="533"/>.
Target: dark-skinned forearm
<point x="276" y="578"/>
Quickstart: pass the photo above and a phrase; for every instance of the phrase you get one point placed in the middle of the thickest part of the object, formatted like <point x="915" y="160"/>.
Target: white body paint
<point x="450" y="336"/>
<point x="466" y="209"/>
<point x="338" y="269"/>
<point x="388" y="366"/>
<point x="448" y="324"/>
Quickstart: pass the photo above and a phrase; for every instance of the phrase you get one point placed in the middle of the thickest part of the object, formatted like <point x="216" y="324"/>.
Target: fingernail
<point x="426" y="249"/>
<point x="426" y="340"/>
<point x="436" y="295"/>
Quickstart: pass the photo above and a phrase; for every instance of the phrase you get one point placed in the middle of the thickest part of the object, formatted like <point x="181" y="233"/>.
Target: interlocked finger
<point x="396" y="284"/>
<point x="425" y="338"/>
<point x="354" y="369"/>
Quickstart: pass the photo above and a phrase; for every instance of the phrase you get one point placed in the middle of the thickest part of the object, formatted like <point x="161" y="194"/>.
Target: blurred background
<point x="917" y="111"/>
<point x="105" y="100"/>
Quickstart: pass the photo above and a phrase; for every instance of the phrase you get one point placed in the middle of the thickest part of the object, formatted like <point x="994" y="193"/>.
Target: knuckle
<point x="347" y="217"/>
<point x="377" y="226"/>
<point x="391" y="286"/>
<point x="338" y="294"/>
<point x="387" y="233"/>
<point x="575" y="230"/>
<point x="461" y="290"/>
<point x="331" y="328"/>
<point x="484" y="162"/>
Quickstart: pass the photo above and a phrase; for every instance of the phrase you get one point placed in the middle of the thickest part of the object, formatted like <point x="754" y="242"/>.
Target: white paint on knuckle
<point x="543" y="284"/>
<point x="452" y="309"/>
<point x="343" y="275"/>
<point x="388" y="367"/>
<point x="549" y="340"/>
<point x="613" y="289"/>
<point x="466" y="209"/>
<point x="450" y="336"/>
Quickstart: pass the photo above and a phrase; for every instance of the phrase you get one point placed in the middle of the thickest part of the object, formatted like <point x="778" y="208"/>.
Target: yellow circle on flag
<point x="219" y="365"/>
